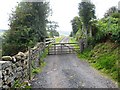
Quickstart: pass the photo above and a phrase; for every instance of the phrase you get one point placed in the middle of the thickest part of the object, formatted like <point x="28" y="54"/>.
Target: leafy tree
<point x="76" y="24"/>
<point x="52" y="26"/>
<point x="108" y="29"/>
<point x="71" y="34"/>
<point x="27" y="27"/>
<point x="86" y="13"/>
<point x="111" y="10"/>
<point x="53" y="33"/>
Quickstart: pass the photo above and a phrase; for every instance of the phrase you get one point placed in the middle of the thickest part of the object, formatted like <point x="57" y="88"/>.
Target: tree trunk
<point x="90" y="31"/>
<point x="86" y="34"/>
<point x="81" y="43"/>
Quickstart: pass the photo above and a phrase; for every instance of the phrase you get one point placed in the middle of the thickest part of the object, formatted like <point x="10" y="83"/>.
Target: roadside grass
<point x="72" y="40"/>
<point x="105" y="58"/>
<point x="42" y="63"/>
<point x="58" y="39"/>
<point x="18" y="84"/>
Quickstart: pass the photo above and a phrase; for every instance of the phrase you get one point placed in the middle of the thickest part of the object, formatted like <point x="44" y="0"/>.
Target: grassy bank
<point x="72" y="40"/>
<point x="58" y="39"/>
<point x="104" y="57"/>
<point x="42" y="63"/>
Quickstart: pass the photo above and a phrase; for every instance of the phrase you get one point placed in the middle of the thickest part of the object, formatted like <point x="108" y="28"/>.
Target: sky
<point x="63" y="11"/>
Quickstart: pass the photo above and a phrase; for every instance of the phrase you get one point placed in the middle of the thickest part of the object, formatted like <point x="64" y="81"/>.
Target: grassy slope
<point x="72" y="40"/>
<point x="104" y="57"/>
<point x="58" y="39"/>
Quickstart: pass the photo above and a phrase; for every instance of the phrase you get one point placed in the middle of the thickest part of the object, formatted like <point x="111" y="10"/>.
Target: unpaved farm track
<point x="67" y="71"/>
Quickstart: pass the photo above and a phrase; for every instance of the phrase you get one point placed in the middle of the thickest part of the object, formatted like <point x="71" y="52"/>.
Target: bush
<point x="12" y="49"/>
<point x="108" y="29"/>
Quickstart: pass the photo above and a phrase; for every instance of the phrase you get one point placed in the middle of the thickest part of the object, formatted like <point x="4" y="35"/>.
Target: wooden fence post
<point x="54" y="49"/>
<point x="44" y="43"/>
<point x="61" y="48"/>
<point x="81" y="43"/>
<point x="48" y="49"/>
<point x="29" y="63"/>
<point x="40" y="52"/>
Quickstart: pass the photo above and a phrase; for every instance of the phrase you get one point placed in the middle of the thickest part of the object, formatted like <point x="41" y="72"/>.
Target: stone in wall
<point x="16" y="67"/>
<point x="20" y="56"/>
<point x="6" y="58"/>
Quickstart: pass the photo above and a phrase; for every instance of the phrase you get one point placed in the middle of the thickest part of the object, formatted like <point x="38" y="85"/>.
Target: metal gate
<point x="63" y="48"/>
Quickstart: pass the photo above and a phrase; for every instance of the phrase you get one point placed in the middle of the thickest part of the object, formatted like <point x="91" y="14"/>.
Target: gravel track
<point x="67" y="71"/>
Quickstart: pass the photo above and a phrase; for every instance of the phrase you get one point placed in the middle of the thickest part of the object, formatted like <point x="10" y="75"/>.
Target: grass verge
<point x="72" y="40"/>
<point x="58" y="39"/>
<point x="42" y="63"/>
<point x="104" y="57"/>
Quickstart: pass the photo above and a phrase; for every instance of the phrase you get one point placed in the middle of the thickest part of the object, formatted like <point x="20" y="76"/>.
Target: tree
<point x="51" y="27"/>
<point x="27" y="27"/>
<point x="76" y="24"/>
<point x="111" y="10"/>
<point x="86" y="13"/>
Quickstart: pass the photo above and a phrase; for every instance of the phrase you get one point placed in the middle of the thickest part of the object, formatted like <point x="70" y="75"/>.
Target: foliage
<point x="111" y="10"/>
<point x="108" y="29"/>
<point x="18" y="84"/>
<point x="27" y="27"/>
<point x="102" y="37"/>
<point x="86" y="12"/>
<point x="58" y="39"/>
<point x="104" y="56"/>
<point x="42" y="63"/>
<point x="71" y="34"/>
<point x="76" y="24"/>
<point x="73" y="40"/>
<point x="52" y="26"/>
<point x="36" y="70"/>
<point x="54" y="33"/>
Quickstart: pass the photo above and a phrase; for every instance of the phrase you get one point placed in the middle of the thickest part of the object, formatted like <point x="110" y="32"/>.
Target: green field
<point x="58" y="39"/>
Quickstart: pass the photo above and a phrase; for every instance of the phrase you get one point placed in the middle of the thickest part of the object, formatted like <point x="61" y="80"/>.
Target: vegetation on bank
<point x="104" y="57"/>
<point x="99" y="38"/>
<point x="58" y="39"/>
<point x="41" y="63"/>
<point x="73" y="40"/>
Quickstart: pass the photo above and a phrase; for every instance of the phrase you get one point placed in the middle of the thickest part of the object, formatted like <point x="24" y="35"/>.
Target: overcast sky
<point x="63" y="11"/>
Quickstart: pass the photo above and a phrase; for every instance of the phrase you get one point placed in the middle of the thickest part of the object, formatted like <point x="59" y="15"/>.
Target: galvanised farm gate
<point x="63" y="48"/>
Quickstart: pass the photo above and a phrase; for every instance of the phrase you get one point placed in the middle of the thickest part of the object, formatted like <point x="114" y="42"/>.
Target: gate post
<point x="81" y="45"/>
<point x="48" y="49"/>
<point x="54" y="48"/>
<point x="61" y="48"/>
<point x="29" y="63"/>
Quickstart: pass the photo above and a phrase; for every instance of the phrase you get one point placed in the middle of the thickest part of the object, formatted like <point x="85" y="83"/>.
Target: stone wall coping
<point x="1" y="62"/>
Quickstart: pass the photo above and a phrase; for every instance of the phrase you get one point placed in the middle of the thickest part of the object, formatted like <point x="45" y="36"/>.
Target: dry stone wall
<point x="12" y="69"/>
<point x="17" y="67"/>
